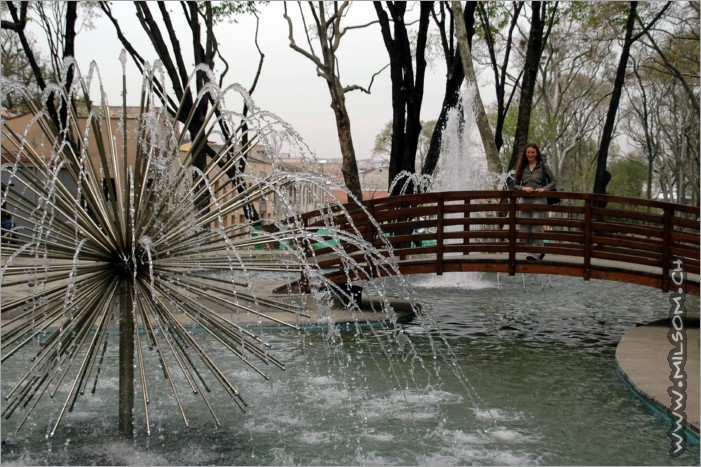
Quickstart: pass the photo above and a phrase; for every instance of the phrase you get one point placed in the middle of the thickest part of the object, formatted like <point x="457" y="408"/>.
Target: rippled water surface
<point x="542" y="388"/>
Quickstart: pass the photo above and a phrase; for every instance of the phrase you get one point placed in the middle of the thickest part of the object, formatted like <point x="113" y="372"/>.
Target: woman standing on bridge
<point x="533" y="176"/>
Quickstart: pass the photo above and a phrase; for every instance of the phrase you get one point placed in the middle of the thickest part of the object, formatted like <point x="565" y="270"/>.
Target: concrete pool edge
<point x="641" y="359"/>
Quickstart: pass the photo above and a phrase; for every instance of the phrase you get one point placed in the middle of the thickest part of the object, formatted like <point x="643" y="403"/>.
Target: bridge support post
<point x="466" y="228"/>
<point x="586" y="250"/>
<point x="666" y="245"/>
<point x="439" y="237"/>
<point x="512" y="234"/>
<point x="372" y="234"/>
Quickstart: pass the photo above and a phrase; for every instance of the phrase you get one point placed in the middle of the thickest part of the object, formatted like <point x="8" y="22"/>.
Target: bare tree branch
<point x="293" y="44"/>
<point x="177" y="51"/>
<point x="355" y="87"/>
<point x="262" y="58"/>
<point x="359" y="26"/>
<point x="18" y="21"/>
<point x="143" y="13"/>
<point x="327" y="67"/>
<point x="672" y="69"/>
<point x="136" y="57"/>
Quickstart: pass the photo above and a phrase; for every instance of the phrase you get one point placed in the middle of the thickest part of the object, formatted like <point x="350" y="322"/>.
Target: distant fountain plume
<point x="462" y="165"/>
<point x="111" y="231"/>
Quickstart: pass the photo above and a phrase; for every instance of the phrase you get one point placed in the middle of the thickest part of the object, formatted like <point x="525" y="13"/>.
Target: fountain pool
<point x="538" y="351"/>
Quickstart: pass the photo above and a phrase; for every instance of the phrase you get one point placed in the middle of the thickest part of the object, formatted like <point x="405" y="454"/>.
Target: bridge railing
<point x="444" y="226"/>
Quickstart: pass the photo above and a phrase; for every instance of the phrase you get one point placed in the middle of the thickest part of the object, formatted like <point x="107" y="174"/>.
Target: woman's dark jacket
<point x="535" y="179"/>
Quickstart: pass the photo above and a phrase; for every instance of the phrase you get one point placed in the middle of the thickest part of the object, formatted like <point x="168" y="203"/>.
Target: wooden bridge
<point x="590" y="236"/>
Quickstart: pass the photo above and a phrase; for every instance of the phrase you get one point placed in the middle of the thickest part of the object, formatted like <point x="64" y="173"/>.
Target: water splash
<point x="419" y="183"/>
<point x="129" y="235"/>
<point x="462" y="165"/>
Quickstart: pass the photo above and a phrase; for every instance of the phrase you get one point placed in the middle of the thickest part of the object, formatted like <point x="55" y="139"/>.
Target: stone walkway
<point x="642" y="358"/>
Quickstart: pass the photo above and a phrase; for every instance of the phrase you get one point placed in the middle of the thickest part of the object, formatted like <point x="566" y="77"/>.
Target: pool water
<point x="531" y="380"/>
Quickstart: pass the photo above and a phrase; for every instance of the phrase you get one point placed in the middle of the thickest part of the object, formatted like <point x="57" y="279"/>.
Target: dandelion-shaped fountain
<point x="113" y="233"/>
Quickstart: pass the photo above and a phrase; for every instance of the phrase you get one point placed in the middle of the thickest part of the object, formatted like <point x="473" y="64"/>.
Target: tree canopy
<point x="585" y="81"/>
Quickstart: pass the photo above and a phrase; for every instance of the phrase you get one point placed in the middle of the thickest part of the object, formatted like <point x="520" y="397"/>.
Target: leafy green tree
<point x="578" y="170"/>
<point x="662" y="115"/>
<point x="383" y="141"/>
<point x="677" y="47"/>
<point x="630" y="37"/>
<point x="573" y="86"/>
<point x="628" y="178"/>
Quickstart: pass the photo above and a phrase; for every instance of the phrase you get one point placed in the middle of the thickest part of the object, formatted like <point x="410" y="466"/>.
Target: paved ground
<point x="642" y="358"/>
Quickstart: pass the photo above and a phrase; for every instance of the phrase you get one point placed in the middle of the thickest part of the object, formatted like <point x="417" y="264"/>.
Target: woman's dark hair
<point x="522" y="158"/>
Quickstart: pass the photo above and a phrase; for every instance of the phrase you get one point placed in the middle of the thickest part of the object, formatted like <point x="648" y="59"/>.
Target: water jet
<point x="120" y="231"/>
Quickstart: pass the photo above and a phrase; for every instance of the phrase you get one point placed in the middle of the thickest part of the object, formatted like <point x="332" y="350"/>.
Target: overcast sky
<point x="288" y="85"/>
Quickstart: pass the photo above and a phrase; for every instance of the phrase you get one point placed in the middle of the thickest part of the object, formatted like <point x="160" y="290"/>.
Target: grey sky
<point x="288" y="85"/>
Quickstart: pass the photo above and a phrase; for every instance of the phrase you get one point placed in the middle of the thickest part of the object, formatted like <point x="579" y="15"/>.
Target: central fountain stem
<point x="126" y="362"/>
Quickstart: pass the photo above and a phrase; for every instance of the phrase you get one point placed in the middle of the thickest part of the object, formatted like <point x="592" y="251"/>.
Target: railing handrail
<point x="503" y="194"/>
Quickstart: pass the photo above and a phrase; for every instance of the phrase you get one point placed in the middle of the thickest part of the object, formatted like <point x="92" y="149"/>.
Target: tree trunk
<point x="501" y="72"/>
<point x="69" y="51"/>
<point x="603" y="176"/>
<point x="454" y="78"/>
<point x="328" y="32"/>
<point x="345" y="139"/>
<point x="534" y="51"/>
<point x="407" y="87"/>
<point x="416" y="87"/>
<point x="490" y="149"/>
<point x="450" y="100"/>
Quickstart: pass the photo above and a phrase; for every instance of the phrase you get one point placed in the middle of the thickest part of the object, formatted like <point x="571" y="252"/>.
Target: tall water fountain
<point x="462" y="166"/>
<point x="123" y="243"/>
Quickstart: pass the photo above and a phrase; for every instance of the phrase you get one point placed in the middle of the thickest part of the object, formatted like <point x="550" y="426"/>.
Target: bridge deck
<point x="552" y="264"/>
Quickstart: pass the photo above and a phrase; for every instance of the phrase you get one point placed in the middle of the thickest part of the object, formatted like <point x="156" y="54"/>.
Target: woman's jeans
<point x="529" y="229"/>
